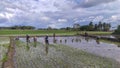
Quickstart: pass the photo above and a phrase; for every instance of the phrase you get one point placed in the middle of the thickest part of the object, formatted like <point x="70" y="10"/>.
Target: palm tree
<point x="100" y="26"/>
<point x="104" y="26"/>
<point x="95" y="27"/>
<point x="91" y="26"/>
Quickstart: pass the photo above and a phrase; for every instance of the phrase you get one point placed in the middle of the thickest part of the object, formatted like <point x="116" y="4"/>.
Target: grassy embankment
<point x="58" y="56"/>
<point x="4" y="45"/>
<point x="49" y="32"/>
<point x="110" y="42"/>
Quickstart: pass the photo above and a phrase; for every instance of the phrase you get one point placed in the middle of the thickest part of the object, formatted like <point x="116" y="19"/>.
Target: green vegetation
<point x="49" y="32"/>
<point x="4" y="59"/>
<point x="40" y="32"/>
<point x="4" y="45"/>
<point x="117" y="31"/>
<point x="23" y="30"/>
<point x="58" y="56"/>
<point x="19" y="27"/>
<point x="101" y="26"/>
<point x="96" y="32"/>
<point x="111" y="42"/>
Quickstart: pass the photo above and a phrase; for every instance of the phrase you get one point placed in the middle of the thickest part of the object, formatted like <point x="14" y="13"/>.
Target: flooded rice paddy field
<point x="67" y="52"/>
<point x="89" y="45"/>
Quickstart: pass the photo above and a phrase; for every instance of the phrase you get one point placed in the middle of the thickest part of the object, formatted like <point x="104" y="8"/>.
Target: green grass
<point x="111" y="42"/>
<point x="4" y="41"/>
<point x="49" y="32"/>
<point x="5" y="58"/>
<point x="36" y="32"/>
<point x="96" y="32"/>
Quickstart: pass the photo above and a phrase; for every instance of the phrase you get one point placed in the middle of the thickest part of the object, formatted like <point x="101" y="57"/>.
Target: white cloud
<point x="62" y="20"/>
<point x="115" y="18"/>
<point x="6" y="15"/>
<point x="52" y="25"/>
<point x="45" y="18"/>
<point x="57" y="13"/>
<point x="2" y="15"/>
<point x="98" y="18"/>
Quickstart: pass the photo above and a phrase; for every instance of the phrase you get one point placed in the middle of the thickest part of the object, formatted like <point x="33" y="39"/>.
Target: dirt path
<point x="10" y="63"/>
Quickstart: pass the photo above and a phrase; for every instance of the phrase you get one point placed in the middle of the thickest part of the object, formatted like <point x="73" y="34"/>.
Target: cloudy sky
<point x="58" y="13"/>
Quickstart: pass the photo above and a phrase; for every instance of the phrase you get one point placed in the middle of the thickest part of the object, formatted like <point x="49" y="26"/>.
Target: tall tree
<point x="108" y="26"/>
<point x="100" y="26"/>
<point x="96" y="27"/>
<point x="91" y="26"/>
<point x="117" y="31"/>
<point x="104" y="26"/>
<point x="84" y="28"/>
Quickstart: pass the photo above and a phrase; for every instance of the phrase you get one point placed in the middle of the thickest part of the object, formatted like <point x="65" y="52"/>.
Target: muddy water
<point x="88" y="45"/>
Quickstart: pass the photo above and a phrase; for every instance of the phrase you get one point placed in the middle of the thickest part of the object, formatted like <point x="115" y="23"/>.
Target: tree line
<point x="117" y="31"/>
<point x="101" y="26"/>
<point x="19" y="27"/>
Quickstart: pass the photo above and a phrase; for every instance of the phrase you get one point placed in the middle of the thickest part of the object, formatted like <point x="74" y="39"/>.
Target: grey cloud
<point x="91" y="3"/>
<point x="3" y="20"/>
<point x="42" y="13"/>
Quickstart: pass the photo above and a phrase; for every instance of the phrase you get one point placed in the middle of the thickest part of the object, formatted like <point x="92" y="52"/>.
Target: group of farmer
<point x="28" y="38"/>
<point x="35" y="39"/>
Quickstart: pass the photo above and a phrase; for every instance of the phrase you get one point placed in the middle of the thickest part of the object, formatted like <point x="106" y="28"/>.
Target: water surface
<point x="87" y="44"/>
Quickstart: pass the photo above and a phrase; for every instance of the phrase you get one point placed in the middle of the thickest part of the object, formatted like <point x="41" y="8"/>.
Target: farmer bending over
<point x="27" y="38"/>
<point x="46" y="40"/>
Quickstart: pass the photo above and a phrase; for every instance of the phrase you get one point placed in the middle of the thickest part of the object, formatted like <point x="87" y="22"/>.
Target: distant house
<point x="76" y="26"/>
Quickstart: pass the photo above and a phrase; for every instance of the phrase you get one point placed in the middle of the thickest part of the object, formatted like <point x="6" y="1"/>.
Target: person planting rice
<point x="54" y="38"/>
<point x="27" y="38"/>
<point x="46" y="40"/>
<point x="86" y="34"/>
<point x="35" y="39"/>
<point x="47" y="43"/>
<point x="17" y="38"/>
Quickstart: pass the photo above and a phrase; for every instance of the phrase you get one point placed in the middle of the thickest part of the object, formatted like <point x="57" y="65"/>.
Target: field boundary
<point x="9" y="63"/>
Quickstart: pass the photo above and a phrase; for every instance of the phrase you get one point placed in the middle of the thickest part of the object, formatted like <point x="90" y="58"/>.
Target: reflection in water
<point x="46" y="49"/>
<point x="27" y="43"/>
<point x="76" y="40"/>
<point x="60" y="41"/>
<point x="72" y="40"/>
<point x="65" y="40"/>
<point x="87" y="39"/>
<point x="97" y="41"/>
<point x="54" y="40"/>
<point x="79" y="40"/>
<point x="35" y="44"/>
<point x="35" y="41"/>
